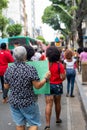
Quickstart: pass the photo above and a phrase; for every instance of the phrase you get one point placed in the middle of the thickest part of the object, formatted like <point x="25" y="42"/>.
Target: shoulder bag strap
<point x="59" y="68"/>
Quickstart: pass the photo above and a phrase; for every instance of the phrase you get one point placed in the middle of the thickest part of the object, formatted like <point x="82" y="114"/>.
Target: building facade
<point x="28" y="13"/>
<point x="16" y="13"/>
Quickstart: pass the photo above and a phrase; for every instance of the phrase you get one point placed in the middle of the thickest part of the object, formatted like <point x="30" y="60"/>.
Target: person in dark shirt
<point x="20" y="79"/>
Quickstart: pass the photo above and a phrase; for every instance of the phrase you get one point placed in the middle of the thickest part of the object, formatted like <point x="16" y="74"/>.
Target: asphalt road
<point x="72" y="114"/>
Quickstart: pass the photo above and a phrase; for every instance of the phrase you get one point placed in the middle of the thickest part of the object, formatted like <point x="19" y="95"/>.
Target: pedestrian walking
<point x="56" y="87"/>
<point x="76" y="56"/>
<point x="80" y="50"/>
<point x="20" y="79"/>
<point x="36" y="56"/>
<point x="83" y="59"/>
<point x="70" y="63"/>
<point x="5" y="58"/>
<point x="83" y="55"/>
<point x="62" y="55"/>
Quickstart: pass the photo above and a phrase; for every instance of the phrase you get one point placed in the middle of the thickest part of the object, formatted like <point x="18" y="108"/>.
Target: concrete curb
<point x="82" y="94"/>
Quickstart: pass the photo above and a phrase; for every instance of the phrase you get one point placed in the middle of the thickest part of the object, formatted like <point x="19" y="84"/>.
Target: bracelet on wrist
<point x="46" y="79"/>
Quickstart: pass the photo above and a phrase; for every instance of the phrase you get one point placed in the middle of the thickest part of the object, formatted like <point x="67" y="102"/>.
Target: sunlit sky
<point x="48" y="32"/>
<point x="40" y="5"/>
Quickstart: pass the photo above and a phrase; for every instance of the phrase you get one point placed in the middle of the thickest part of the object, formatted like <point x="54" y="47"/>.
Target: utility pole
<point x="33" y="17"/>
<point x="25" y="18"/>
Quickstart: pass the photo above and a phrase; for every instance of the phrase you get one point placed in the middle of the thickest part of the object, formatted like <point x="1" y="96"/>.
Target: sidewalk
<point x="82" y="90"/>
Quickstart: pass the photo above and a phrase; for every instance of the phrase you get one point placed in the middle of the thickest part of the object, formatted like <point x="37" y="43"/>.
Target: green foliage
<point x="3" y="23"/>
<point x="49" y="14"/>
<point x="3" y="4"/>
<point x="54" y="17"/>
<point x="78" y="1"/>
<point x="14" y="30"/>
<point x="3" y="20"/>
<point x="71" y="13"/>
<point x="62" y="37"/>
<point x="41" y="38"/>
<point x="51" y="18"/>
<point x="62" y="2"/>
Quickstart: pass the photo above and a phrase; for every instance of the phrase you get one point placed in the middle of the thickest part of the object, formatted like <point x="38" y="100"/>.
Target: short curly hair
<point x="53" y="54"/>
<point x="68" y="54"/>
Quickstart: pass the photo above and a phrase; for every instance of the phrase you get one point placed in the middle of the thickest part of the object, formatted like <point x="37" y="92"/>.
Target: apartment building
<point x="28" y="13"/>
<point x="16" y="13"/>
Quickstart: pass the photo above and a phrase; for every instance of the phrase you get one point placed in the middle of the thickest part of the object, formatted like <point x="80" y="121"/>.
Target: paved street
<point x="72" y="115"/>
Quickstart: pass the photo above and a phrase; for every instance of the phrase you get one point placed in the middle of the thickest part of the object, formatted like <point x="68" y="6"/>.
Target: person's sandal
<point x="59" y="121"/>
<point x="67" y="95"/>
<point x="47" y="128"/>
<point x="5" y="100"/>
<point x="72" y="96"/>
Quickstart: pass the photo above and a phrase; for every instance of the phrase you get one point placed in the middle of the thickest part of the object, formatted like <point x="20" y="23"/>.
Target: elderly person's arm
<point x="36" y="84"/>
<point x="39" y="84"/>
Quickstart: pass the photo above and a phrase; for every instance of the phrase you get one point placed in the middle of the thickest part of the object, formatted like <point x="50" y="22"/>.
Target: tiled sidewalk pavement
<point x="82" y="90"/>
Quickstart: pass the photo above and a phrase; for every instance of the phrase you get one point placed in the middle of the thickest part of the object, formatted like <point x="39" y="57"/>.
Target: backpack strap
<point x="59" y="68"/>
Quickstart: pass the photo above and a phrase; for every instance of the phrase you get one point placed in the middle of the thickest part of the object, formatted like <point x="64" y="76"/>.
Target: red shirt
<point x="43" y="57"/>
<point x="5" y="58"/>
<point x="55" y="75"/>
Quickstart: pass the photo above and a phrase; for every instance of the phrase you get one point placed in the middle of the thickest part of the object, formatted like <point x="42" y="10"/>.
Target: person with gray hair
<point x="19" y="53"/>
<point x="20" y="79"/>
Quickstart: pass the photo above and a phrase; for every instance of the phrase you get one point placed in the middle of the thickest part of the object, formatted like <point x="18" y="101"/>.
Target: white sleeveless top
<point x="70" y="65"/>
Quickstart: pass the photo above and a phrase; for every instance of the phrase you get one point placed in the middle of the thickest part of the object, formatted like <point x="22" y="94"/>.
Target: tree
<point x="41" y="38"/>
<point x="3" y="23"/>
<point x="3" y="4"/>
<point x="14" y="30"/>
<point x="74" y="8"/>
<point x="81" y="13"/>
<point x="54" y="18"/>
<point x="3" y="20"/>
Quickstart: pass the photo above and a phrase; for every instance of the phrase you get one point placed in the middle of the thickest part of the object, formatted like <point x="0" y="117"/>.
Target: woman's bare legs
<point x="23" y="128"/>
<point x="57" y="101"/>
<point x="33" y="128"/>
<point x="48" y="109"/>
<point x="20" y="127"/>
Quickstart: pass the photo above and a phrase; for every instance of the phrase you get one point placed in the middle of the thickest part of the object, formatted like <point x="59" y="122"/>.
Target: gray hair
<point x="20" y="53"/>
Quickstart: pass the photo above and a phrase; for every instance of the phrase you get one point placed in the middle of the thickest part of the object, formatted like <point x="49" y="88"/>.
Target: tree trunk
<point x="80" y="35"/>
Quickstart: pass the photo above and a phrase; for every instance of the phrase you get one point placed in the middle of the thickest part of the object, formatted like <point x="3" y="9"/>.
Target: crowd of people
<point x="19" y="79"/>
